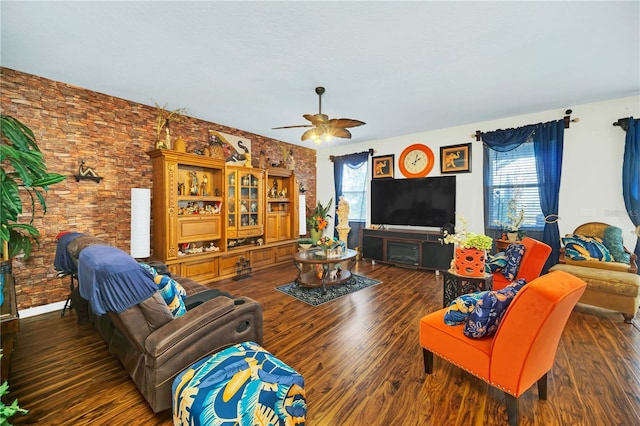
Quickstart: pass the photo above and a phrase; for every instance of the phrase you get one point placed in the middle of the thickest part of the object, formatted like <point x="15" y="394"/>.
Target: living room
<point x="107" y="132"/>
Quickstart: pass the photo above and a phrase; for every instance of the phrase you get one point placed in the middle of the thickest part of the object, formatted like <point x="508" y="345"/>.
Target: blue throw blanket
<point x="111" y="280"/>
<point x="63" y="262"/>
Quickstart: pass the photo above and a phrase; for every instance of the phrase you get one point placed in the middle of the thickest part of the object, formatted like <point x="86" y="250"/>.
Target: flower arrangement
<point x="318" y="219"/>
<point x="328" y="243"/>
<point x="515" y="217"/>
<point x="465" y="239"/>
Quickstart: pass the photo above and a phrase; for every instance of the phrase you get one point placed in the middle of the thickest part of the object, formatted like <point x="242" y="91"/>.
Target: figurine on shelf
<point x="262" y="161"/>
<point x="283" y="193"/>
<point x="193" y="189"/>
<point x="203" y="185"/>
<point x="291" y="162"/>
<point x="254" y="206"/>
<point x="243" y="207"/>
<point x="85" y="170"/>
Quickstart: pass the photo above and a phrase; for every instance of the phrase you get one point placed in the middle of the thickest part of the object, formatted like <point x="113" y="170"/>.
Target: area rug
<point x="314" y="296"/>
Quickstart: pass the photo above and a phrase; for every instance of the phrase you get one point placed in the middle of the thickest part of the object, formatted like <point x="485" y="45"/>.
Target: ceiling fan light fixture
<point x="322" y="127"/>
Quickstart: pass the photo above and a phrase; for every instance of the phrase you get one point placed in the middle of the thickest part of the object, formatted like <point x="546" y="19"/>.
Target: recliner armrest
<point x="205" y="319"/>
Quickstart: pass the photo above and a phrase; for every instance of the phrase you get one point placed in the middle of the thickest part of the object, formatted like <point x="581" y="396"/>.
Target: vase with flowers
<point x="515" y="219"/>
<point x="317" y="222"/>
<point x="470" y="252"/>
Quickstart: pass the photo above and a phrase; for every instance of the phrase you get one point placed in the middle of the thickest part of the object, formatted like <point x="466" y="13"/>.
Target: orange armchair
<point x="535" y="256"/>
<point x="523" y="349"/>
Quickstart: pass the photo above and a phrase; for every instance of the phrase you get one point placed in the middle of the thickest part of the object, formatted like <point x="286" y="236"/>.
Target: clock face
<point x="416" y="161"/>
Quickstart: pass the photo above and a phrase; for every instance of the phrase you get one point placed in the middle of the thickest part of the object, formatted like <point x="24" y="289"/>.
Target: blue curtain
<point x="507" y="140"/>
<point x="354" y="161"/>
<point x="501" y="141"/>
<point x="548" y="144"/>
<point x="631" y="175"/>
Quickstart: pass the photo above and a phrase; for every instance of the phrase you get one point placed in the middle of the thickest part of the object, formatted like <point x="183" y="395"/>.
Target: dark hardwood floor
<point x="360" y="358"/>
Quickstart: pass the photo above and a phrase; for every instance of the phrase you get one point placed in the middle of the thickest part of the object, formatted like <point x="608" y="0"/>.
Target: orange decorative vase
<point x="469" y="262"/>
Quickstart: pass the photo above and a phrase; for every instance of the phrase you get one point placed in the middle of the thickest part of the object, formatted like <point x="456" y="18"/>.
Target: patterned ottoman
<point x="242" y="385"/>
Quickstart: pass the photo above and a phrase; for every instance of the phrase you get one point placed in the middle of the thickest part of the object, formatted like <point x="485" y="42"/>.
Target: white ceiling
<point x="402" y="67"/>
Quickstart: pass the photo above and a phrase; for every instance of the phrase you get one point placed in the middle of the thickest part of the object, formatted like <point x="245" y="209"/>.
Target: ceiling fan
<point x="324" y="128"/>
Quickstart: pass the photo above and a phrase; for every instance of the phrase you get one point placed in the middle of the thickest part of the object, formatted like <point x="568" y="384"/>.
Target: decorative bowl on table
<point x="331" y="247"/>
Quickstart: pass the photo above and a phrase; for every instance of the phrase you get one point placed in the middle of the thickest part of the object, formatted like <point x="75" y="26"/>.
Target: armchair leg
<point x="627" y="318"/>
<point x="512" y="409"/>
<point x="428" y="361"/>
<point x="542" y="387"/>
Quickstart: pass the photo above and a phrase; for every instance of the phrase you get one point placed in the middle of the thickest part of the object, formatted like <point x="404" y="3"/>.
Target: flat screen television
<point x="429" y="202"/>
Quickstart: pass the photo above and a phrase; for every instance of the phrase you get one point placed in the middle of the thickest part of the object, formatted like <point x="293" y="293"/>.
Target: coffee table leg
<point x="325" y="274"/>
<point x="299" y="267"/>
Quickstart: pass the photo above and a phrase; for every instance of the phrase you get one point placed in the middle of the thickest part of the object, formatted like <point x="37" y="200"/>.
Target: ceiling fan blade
<point x="292" y="127"/>
<point x="317" y="118"/>
<point x="309" y="134"/>
<point x="345" y="122"/>
<point x="340" y="132"/>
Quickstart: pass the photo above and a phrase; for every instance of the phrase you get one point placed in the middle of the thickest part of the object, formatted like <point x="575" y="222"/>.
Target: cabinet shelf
<point x="197" y="198"/>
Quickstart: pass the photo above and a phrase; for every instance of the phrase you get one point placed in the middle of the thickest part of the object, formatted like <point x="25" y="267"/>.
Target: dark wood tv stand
<point x="407" y="248"/>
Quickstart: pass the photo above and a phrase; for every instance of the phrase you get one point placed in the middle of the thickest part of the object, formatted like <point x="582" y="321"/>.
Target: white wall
<point x="591" y="171"/>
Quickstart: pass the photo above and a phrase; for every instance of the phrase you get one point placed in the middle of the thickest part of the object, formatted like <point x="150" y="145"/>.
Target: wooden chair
<point x="523" y="349"/>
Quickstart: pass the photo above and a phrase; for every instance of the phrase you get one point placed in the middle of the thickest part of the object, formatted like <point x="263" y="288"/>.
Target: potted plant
<point x="305" y="243"/>
<point x="515" y="218"/>
<point x="317" y="221"/>
<point x="470" y="252"/>
<point x="7" y="411"/>
<point x="28" y="172"/>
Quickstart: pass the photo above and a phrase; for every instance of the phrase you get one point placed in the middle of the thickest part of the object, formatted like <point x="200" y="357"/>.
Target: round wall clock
<point x="416" y="161"/>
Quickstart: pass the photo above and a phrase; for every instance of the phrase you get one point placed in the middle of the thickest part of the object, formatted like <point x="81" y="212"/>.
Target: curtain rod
<point x="623" y="123"/>
<point x="371" y="151"/>
<point x="567" y="121"/>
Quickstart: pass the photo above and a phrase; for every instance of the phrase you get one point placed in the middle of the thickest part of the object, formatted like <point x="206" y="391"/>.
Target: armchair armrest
<point x="204" y="329"/>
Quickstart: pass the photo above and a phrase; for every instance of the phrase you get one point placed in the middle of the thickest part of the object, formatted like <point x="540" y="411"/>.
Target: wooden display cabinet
<point x="282" y="214"/>
<point x="188" y="206"/>
<point x="245" y="205"/>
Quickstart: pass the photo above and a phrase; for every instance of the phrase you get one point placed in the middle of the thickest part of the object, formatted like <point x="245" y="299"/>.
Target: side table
<point x="455" y="285"/>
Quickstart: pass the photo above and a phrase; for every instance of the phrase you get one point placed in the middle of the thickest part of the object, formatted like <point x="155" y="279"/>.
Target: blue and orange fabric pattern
<point x="495" y="262"/>
<point x="242" y="385"/>
<point x="170" y="292"/>
<point x="514" y="254"/>
<point x="460" y="308"/>
<point x="579" y="247"/>
<point x="486" y="316"/>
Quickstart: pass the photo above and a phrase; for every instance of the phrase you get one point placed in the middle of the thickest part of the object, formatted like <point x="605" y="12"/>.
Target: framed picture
<point x="382" y="166"/>
<point x="455" y="158"/>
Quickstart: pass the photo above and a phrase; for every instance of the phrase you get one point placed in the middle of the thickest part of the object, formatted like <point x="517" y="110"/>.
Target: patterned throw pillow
<point x="578" y="247"/>
<point x="168" y="288"/>
<point x="460" y="308"/>
<point x="496" y="262"/>
<point x="485" y="318"/>
<point x="514" y="254"/>
<point x="613" y="242"/>
<point x="150" y="269"/>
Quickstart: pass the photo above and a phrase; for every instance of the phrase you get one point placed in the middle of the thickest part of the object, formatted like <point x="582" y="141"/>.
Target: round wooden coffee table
<point x="309" y="276"/>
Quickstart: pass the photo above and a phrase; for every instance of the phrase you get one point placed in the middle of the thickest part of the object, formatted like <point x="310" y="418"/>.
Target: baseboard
<point x="43" y="309"/>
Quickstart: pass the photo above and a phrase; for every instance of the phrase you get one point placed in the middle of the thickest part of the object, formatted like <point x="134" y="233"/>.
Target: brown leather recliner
<point x="154" y="347"/>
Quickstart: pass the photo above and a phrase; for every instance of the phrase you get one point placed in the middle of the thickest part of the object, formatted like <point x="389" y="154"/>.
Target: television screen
<point x="427" y="202"/>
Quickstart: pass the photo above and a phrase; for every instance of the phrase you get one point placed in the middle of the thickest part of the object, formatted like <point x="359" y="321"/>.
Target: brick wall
<point x="112" y="136"/>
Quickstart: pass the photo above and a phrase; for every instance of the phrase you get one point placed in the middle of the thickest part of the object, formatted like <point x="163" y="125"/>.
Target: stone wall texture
<point x="112" y="136"/>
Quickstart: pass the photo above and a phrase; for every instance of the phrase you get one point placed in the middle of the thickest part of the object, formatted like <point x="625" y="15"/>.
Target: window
<point x="512" y="176"/>
<point x="354" y="184"/>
